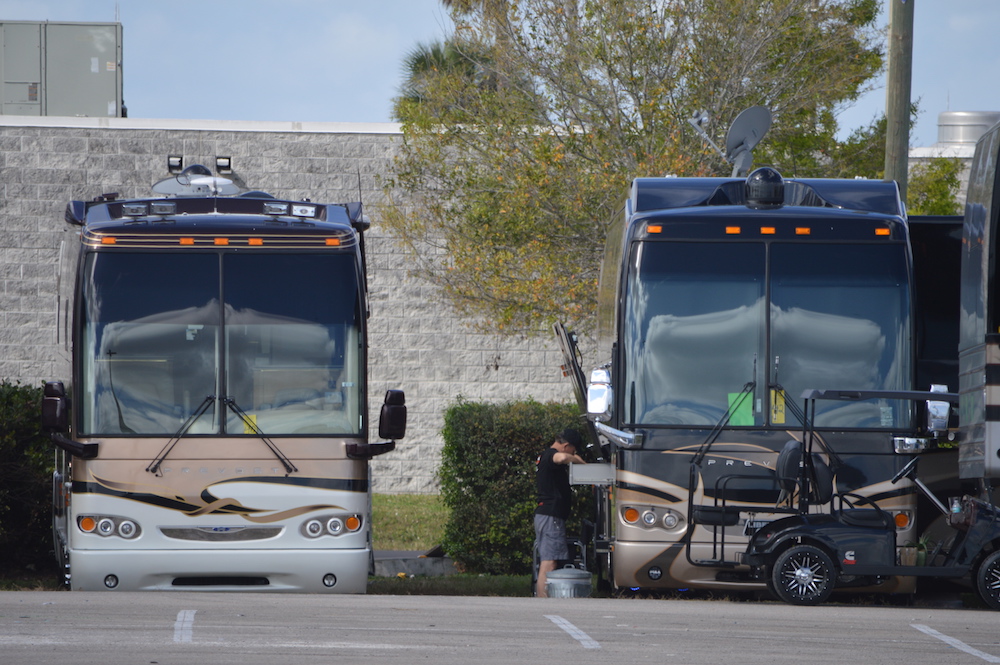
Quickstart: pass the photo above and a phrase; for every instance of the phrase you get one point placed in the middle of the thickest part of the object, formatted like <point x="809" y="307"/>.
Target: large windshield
<point x="697" y="330"/>
<point x="840" y="320"/>
<point x="694" y="330"/>
<point x="154" y="352"/>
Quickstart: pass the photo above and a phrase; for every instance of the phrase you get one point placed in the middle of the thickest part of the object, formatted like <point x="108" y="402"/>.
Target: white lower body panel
<point x="258" y="570"/>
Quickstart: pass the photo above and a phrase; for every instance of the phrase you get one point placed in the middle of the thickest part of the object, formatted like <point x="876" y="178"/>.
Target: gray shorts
<point x="550" y="538"/>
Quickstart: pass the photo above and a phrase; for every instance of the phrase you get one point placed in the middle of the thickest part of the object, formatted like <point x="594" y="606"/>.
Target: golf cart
<point x="801" y="557"/>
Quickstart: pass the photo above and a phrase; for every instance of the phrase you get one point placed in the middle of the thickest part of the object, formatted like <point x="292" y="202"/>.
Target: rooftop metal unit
<point x="965" y="126"/>
<point x="65" y="69"/>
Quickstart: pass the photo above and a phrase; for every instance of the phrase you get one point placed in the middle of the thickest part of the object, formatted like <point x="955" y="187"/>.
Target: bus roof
<point x="253" y="219"/>
<point x="870" y="196"/>
<point x="251" y="216"/>
<point x="226" y="212"/>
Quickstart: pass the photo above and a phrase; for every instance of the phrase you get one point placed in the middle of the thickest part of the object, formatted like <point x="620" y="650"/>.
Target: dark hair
<point x="570" y="436"/>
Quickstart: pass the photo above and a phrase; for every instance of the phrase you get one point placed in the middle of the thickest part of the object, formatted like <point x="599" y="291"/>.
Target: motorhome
<point x="214" y="434"/>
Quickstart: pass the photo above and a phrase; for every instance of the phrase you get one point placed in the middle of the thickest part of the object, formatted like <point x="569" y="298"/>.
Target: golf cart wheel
<point x="770" y="588"/>
<point x="988" y="580"/>
<point x="803" y="575"/>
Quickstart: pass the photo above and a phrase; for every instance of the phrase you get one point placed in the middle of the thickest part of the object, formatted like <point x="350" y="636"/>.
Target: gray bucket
<point x="568" y="583"/>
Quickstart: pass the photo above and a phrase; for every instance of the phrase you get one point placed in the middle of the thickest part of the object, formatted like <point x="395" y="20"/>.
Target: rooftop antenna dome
<point x="195" y="180"/>
<point x="765" y="188"/>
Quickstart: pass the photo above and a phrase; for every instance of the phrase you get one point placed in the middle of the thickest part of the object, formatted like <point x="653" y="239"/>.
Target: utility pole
<point x="897" y="103"/>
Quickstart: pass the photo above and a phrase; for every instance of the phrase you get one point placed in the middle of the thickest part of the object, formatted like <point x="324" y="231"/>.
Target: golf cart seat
<point x="844" y="504"/>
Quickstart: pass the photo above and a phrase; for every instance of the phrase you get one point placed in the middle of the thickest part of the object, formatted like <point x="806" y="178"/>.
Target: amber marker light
<point x="353" y="523"/>
<point x="631" y="515"/>
<point x="333" y="242"/>
<point x="88" y="524"/>
<point x="222" y="241"/>
<point x="902" y="520"/>
<point x="256" y="242"/>
<point x="109" y="240"/>
<point x="768" y="230"/>
<point x="882" y="231"/>
<point x="733" y="230"/>
<point x="654" y="228"/>
<point x="187" y="241"/>
<point x="802" y="230"/>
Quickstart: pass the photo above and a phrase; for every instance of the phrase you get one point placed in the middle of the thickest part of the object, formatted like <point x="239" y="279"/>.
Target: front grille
<point x="222" y="534"/>
<point x="221" y="581"/>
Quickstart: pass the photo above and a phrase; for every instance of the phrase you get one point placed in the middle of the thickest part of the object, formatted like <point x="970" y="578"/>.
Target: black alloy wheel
<point x="803" y="575"/>
<point x="988" y="580"/>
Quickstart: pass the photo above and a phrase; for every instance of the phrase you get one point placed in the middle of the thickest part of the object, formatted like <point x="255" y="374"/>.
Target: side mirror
<point x="76" y="213"/>
<point x="599" y="395"/>
<point x="392" y="420"/>
<point x="938" y="412"/>
<point x="55" y="408"/>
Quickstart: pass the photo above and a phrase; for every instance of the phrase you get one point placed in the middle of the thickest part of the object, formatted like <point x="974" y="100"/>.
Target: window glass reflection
<point x="840" y="321"/>
<point x="694" y="331"/>
<point x="151" y="338"/>
<point x="292" y="352"/>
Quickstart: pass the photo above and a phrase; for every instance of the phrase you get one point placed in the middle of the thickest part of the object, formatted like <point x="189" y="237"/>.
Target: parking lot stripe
<point x="583" y="638"/>
<point x="958" y="644"/>
<point x="184" y="626"/>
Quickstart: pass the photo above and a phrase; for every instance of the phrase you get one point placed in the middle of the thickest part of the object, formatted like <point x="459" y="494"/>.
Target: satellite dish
<point x="195" y="180"/>
<point x="745" y="133"/>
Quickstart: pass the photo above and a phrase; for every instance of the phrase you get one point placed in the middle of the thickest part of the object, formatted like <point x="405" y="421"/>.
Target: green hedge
<point x="26" y="461"/>
<point x="487" y="480"/>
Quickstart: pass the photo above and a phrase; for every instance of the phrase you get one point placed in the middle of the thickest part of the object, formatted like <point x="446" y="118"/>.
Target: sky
<point x="341" y="60"/>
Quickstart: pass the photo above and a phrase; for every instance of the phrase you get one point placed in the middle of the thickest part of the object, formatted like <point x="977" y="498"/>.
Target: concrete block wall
<point x="418" y="343"/>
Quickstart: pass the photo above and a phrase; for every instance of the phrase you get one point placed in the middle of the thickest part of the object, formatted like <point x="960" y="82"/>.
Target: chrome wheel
<point x="803" y="575"/>
<point x="988" y="580"/>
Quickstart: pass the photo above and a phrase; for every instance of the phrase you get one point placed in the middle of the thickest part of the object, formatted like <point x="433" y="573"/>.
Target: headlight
<point x="127" y="529"/>
<point x="331" y="525"/>
<point x="650" y="517"/>
<point x="109" y="525"/>
<point x="106" y="526"/>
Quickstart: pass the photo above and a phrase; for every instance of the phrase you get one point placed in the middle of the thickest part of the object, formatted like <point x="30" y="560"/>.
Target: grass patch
<point x="407" y="521"/>
<point x="30" y="582"/>
<point x="452" y="585"/>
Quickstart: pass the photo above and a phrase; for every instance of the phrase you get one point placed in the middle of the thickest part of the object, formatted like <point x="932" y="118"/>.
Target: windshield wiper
<point x="734" y="406"/>
<point x="249" y="422"/>
<point x="154" y="466"/>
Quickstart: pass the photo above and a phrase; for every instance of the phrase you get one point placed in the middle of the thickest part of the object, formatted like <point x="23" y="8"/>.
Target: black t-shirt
<point x="552" y="484"/>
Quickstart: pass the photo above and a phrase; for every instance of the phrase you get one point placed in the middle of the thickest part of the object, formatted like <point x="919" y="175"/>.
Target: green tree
<point x="509" y="188"/>
<point x="933" y="187"/>
<point x="487" y="479"/>
<point x="427" y="61"/>
<point x="25" y="481"/>
<point x="862" y="153"/>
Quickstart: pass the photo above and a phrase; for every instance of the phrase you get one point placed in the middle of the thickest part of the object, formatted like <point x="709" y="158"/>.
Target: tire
<point x="803" y="575"/>
<point x="988" y="580"/>
<point x="771" y="591"/>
